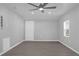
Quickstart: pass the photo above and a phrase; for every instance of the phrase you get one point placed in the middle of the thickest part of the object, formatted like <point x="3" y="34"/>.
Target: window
<point x="67" y="28"/>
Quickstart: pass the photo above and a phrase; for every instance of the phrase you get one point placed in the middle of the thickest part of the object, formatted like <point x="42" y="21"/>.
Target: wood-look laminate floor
<point x="40" y="49"/>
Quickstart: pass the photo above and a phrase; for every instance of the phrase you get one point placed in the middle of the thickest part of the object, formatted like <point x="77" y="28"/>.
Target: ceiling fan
<point x="41" y="7"/>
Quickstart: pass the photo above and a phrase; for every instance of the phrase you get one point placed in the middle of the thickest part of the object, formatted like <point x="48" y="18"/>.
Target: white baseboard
<point x="11" y="48"/>
<point x="43" y="40"/>
<point x="69" y="47"/>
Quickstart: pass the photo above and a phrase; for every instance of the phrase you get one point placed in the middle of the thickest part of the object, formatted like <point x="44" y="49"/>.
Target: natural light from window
<point x="67" y="28"/>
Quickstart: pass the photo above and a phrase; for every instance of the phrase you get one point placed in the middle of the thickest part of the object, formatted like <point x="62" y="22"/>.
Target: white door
<point x="29" y="30"/>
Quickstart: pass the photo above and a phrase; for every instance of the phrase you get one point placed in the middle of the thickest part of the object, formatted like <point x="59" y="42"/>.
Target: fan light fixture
<point x="41" y="9"/>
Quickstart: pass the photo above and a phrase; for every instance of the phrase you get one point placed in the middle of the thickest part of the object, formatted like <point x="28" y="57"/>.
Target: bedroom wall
<point x="46" y="30"/>
<point x="13" y="27"/>
<point x="73" y="40"/>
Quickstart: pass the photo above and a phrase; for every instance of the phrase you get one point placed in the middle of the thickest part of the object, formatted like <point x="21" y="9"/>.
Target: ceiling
<point x="22" y="9"/>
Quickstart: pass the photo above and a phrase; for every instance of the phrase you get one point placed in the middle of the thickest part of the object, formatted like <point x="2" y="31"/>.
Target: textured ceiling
<point x="22" y="9"/>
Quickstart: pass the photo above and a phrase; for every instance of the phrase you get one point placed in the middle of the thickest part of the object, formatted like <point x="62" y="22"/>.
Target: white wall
<point x="13" y="27"/>
<point x="73" y="41"/>
<point x="46" y="30"/>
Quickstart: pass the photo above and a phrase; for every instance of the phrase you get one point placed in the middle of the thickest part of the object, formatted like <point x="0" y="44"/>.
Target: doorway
<point x="29" y="30"/>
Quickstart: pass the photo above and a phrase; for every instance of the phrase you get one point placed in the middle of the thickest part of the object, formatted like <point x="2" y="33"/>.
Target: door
<point x="29" y="30"/>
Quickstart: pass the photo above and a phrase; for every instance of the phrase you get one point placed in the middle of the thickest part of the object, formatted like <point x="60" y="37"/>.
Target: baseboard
<point x="11" y="48"/>
<point x="43" y="40"/>
<point x="69" y="47"/>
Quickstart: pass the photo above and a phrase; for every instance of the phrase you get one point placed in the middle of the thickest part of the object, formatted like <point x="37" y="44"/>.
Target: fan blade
<point x="32" y="4"/>
<point x="50" y="7"/>
<point x="40" y="6"/>
<point x="44" y="4"/>
<point x="33" y="9"/>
